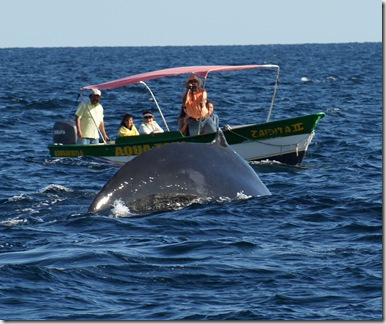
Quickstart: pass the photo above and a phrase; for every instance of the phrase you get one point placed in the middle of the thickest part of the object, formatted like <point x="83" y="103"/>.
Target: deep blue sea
<point x="311" y="251"/>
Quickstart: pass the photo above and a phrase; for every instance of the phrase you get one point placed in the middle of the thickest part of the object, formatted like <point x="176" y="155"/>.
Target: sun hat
<point x="147" y="113"/>
<point x="193" y="77"/>
<point x="96" y="92"/>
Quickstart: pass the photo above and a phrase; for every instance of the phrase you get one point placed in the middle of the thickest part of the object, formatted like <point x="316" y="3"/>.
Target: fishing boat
<point x="284" y="140"/>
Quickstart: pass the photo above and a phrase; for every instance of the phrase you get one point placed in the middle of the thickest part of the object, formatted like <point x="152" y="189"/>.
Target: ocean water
<point x="311" y="251"/>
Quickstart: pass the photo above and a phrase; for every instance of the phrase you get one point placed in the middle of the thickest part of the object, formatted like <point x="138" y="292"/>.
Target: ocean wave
<point x="311" y="251"/>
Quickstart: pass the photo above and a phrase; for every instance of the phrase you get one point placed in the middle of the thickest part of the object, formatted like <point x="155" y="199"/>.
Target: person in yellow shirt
<point x="127" y="127"/>
<point x="89" y="120"/>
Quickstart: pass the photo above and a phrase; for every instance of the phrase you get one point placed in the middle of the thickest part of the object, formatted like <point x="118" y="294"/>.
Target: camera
<point x="192" y="87"/>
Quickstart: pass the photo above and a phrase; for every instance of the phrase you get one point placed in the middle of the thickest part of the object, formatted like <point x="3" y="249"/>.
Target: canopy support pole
<point x="156" y="103"/>
<point x="274" y="90"/>
<point x="200" y="122"/>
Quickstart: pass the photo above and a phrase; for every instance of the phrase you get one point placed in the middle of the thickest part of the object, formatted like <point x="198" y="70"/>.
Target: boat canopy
<point x="201" y="70"/>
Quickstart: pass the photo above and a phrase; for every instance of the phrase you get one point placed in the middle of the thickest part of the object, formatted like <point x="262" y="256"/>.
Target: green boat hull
<point x="283" y="140"/>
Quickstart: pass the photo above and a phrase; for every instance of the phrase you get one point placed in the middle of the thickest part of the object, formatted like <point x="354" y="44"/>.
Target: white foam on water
<point x="120" y="209"/>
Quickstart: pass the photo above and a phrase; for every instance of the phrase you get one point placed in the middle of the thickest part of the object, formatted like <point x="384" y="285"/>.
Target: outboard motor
<point x="65" y="132"/>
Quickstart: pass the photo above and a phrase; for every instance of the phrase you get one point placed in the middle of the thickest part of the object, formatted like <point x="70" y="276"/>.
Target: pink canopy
<point x="198" y="70"/>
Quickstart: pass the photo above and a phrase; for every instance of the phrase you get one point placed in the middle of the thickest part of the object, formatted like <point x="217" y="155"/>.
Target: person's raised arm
<point x="185" y="97"/>
<point x="204" y="98"/>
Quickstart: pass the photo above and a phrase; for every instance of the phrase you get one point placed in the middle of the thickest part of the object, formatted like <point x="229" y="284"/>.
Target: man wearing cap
<point x="89" y="118"/>
<point x="194" y="103"/>
<point x="149" y="125"/>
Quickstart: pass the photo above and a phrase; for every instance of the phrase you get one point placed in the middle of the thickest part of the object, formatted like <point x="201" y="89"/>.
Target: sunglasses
<point x="148" y="117"/>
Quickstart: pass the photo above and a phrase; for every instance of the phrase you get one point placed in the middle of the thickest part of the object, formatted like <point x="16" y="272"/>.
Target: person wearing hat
<point x="89" y="120"/>
<point x="194" y="102"/>
<point x="149" y="125"/>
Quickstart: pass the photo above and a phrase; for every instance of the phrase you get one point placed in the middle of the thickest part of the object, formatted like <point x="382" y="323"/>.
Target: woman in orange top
<point x="194" y="103"/>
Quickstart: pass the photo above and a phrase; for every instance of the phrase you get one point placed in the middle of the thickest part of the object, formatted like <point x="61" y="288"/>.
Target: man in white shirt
<point x="89" y="118"/>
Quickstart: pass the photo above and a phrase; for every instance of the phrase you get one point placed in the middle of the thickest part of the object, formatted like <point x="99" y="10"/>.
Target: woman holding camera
<point x="194" y="103"/>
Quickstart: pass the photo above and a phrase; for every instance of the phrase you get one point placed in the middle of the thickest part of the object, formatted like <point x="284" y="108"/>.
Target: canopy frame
<point x="156" y="103"/>
<point x="201" y="71"/>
